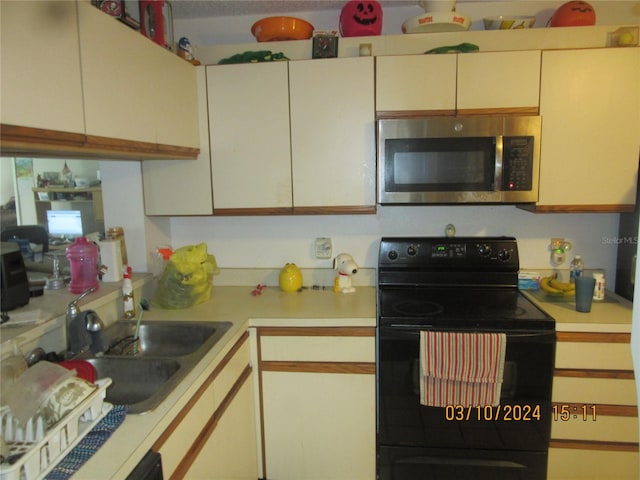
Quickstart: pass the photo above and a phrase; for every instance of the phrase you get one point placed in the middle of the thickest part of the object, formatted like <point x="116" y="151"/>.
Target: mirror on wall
<point x="29" y="187"/>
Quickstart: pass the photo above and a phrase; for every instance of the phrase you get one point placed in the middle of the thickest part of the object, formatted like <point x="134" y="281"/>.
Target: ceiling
<point x="184" y="9"/>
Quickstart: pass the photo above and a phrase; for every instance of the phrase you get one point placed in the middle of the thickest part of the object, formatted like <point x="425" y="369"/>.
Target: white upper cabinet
<point x="590" y="107"/>
<point x="40" y="65"/>
<point x="249" y="135"/>
<point x="182" y="187"/>
<point x="442" y="84"/>
<point x="332" y="132"/>
<point x="416" y="82"/>
<point x="133" y="89"/>
<point x="504" y="80"/>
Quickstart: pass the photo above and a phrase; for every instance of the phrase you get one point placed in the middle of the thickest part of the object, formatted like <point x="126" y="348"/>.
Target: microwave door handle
<point x="497" y="179"/>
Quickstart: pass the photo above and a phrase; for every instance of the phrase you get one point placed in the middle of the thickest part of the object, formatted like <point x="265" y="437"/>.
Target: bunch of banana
<point x="553" y="286"/>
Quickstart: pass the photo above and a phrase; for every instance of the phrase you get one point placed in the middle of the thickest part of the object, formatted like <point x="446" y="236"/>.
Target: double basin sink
<point x="145" y="372"/>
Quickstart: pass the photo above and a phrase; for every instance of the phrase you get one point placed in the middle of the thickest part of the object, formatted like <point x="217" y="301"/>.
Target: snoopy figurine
<point x="346" y="266"/>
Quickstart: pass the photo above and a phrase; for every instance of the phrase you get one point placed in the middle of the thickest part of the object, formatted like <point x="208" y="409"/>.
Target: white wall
<point x="269" y="242"/>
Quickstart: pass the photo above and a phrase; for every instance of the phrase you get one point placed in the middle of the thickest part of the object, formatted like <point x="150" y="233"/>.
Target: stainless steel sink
<point x="166" y="353"/>
<point x="166" y="339"/>
<point x="141" y="383"/>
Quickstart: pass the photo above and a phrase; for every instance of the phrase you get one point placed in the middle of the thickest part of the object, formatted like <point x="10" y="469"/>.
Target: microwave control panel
<point x="517" y="163"/>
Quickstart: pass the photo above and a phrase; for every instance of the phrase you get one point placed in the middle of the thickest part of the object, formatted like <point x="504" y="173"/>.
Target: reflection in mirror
<point x="32" y="188"/>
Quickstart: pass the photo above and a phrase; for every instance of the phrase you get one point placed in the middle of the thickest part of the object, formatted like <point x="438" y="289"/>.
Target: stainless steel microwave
<point x="442" y="160"/>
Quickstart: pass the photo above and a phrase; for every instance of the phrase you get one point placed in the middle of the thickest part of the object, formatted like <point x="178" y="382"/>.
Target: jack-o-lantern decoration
<point x="361" y="18"/>
<point x="573" y="14"/>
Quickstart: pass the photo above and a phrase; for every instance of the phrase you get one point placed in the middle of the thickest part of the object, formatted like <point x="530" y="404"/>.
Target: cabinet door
<point x="332" y="132"/>
<point x="590" y="107"/>
<point x="230" y="452"/>
<point x="416" y="82"/>
<point x="499" y="80"/>
<point x="249" y="135"/>
<point x="117" y="79"/>
<point x="40" y="65"/>
<point x="319" y="425"/>
<point x="177" y="187"/>
<point x="176" y="100"/>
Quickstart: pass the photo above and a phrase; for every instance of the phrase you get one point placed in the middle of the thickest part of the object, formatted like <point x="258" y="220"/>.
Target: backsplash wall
<point x="269" y="242"/>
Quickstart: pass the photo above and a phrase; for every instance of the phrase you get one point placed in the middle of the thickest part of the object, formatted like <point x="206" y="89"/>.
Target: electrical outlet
<point x="323" y="247"/>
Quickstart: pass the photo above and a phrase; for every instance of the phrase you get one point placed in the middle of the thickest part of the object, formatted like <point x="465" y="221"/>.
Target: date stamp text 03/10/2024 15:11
<point x="520" y="413"/>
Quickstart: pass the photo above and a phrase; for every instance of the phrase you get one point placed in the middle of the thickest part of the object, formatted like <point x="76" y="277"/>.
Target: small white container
<point x="598" y="290"/>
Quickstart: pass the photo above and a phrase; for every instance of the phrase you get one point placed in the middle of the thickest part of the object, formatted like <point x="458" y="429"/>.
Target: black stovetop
<point x="458" y="283"/>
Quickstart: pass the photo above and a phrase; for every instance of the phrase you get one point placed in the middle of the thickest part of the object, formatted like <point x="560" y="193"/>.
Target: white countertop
<point x="614" y="315"/>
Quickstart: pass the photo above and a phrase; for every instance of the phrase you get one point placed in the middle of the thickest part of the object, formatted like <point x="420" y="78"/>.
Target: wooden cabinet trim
<point x="193" y="400"/>
<point x="236" y="212"/>
<point x="605" y="409"/>
<point x="17" y="140"/>
<point x="594" y="373"/>
<point x="365" y="368"/>
<point x="533" y="208"/>
<point x="336" y="210"/>
<point x="594" y="445"/>
<point x="593" y="337"/>
<point x="467" y="112"/>
<point x="316" y="331"/>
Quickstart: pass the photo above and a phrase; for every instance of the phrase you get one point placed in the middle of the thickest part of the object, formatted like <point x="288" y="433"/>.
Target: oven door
<point x="416" y="436"/>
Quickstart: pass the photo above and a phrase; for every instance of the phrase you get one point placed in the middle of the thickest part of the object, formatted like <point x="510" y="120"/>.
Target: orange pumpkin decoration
<point x="573" y="14"/>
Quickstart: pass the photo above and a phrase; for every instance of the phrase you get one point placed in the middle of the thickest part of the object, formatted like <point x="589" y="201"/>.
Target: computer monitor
<point x="64" y="223"/>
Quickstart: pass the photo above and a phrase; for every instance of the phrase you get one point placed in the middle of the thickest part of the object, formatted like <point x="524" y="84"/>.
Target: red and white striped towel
<point x="461" y="368"/>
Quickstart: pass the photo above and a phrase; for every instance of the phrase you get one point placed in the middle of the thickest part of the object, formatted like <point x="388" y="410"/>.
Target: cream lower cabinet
<point x="40" y="66"/>
<point x="317" y="399"/>
<point x="590" y="107"/>
<point x="594" y="434"/>
<point x="213" y="437"/>
<point x="483" y="82"/>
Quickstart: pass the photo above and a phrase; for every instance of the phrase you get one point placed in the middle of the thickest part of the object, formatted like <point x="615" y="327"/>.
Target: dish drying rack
<point x="41" y="451"/>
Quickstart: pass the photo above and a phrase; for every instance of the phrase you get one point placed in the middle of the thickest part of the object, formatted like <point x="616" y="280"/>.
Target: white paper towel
<point x="111" y="258"/>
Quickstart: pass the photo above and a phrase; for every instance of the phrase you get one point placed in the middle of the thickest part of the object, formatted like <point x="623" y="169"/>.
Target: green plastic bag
<point x="187" y="278"/>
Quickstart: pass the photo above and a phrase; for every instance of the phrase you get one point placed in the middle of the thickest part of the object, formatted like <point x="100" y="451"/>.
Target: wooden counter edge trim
<point x="594" y="445"/>
<point x="605" y="208"/>
<point x="604" y="409"/>
<point x="594" y="337"/>
<point x="594" y="373"/>
<point x="193" y="400"/>
<point x="210" y="426"/>
<point x="317" y="331"/>
<point x="366" y="368"/>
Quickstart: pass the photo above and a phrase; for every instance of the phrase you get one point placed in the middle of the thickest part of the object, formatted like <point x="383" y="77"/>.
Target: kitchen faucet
<point x="80" y="335"/>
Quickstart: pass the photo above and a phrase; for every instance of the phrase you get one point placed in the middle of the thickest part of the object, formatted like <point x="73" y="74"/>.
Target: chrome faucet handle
<point x="72" y="306"/>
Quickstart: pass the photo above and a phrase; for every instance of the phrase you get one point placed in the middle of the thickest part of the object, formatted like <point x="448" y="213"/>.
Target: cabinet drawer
<point x="604" y="428"/>
<point x="318" y="349"/>
<point x="574" y="464"/>
<point x="594" y="390"/>
<point x="593" y="354"/>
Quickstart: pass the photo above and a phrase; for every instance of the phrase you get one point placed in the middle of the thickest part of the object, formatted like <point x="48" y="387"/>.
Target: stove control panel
<point x="456" y="252"/>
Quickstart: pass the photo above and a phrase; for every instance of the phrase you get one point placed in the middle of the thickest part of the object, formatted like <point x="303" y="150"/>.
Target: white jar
<point x="598" y="290"/>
